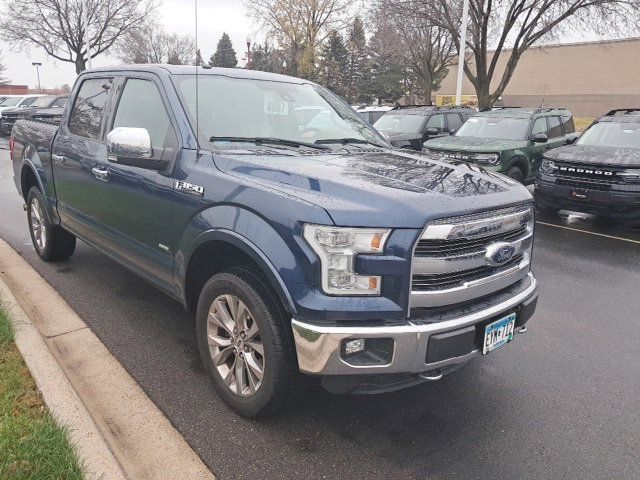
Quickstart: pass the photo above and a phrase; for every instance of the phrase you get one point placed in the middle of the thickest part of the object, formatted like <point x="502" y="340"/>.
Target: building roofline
<point x="577" y="44"/>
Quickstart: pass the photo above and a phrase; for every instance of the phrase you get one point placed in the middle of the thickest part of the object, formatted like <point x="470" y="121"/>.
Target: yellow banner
<point x="450" y="100"/>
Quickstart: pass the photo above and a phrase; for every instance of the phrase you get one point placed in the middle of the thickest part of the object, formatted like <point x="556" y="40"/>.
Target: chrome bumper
<point x="319" y="347"/>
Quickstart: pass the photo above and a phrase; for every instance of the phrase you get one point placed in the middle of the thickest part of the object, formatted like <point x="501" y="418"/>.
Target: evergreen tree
<point x="225" y="55"/>
<point x="358" y="68"/>
<point x="388" y="74"/>
<point x="334" y="64"/>
<point x="267" y="59"/>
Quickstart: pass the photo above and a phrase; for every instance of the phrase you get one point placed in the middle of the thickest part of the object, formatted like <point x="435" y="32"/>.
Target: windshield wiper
<point x="345" y="141"/>
<point x="267" y="141"/>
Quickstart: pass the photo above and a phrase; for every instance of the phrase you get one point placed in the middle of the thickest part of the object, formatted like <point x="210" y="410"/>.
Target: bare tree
<point x="299" y="26"/>
<point x="3" y="68"/>
<point x="152" y="44"/>
<point x="428" y="48"/>
<point x="509" y="27"/>
<point x="56" y="25"/>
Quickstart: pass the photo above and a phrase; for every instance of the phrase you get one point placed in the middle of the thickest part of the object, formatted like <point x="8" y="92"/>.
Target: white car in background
<point x="373" y="113"/>
<point x="15" y="101"/>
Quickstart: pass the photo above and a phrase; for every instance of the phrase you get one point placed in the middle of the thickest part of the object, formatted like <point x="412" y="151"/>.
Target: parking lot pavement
<point x="562" y="401"/>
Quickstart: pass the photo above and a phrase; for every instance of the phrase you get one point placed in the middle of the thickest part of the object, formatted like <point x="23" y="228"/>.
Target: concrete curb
<point x="117" y="429"/>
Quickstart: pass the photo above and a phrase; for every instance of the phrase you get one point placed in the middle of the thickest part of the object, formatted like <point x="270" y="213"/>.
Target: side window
<point x="60" y="102"/>
<point x="454" y="122"/>
<point x="88" y="108"/>
<point x="437" y="122"/>
<point x="141" y="106"/>
<point x="555" y="127"/>
<point x="567" y="122"/>
<point x="539" y="126"/>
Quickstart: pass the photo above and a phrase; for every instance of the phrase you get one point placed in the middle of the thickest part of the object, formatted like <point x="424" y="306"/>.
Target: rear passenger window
<point x="437" y="122"/>
<point x="88" y="108"/>
<point x="453" y="121"/>
<point x="555" y="127"/>
<point x="141" y="106"/>
<point x="567" y="123"/>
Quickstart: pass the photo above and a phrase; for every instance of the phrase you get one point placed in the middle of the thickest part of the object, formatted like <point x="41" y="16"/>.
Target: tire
<point x="222" y="348"/>
<point x="52" y="243"/>
<point x="516" y="174"/>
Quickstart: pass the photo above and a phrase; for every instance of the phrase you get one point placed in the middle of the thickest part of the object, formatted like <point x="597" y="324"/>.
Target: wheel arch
<point x="214" y="250"/>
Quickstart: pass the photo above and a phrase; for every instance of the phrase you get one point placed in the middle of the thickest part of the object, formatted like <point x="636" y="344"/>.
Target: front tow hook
<point x="431" y="375"/>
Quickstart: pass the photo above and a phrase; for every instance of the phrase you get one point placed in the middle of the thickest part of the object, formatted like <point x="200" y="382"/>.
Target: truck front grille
<point x="599" y="175"/>
<point x="454" y="260"/>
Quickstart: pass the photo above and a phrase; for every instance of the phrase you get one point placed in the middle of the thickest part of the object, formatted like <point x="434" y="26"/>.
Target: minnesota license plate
<point x="498" y="333"/>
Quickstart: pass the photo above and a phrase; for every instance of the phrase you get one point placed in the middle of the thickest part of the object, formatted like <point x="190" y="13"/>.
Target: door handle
<point x="101" y="174"/>
<point x="57" y="158"/>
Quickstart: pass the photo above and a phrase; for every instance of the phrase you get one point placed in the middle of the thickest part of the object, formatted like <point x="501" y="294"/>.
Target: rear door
<point x="135" y="206"/>
<point x="77" y="152"/>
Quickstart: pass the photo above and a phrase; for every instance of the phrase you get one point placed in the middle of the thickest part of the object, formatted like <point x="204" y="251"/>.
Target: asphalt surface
<point x="561" y="401"/>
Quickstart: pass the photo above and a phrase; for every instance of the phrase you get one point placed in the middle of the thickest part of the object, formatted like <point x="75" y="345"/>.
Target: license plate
<point x="580" y="194"/>
<point x="498" y="333"/>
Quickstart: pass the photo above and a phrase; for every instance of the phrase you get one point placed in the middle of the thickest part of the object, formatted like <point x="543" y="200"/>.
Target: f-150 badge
<point x="189" y="188"/>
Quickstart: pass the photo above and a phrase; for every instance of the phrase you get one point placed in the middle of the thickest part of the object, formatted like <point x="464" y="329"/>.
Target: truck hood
<point x="383" y="188"/>
<point x="474" y="144"/>
<point x="592" y="155"/>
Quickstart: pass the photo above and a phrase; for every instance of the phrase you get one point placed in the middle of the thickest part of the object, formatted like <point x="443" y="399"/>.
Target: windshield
<point x="606" y="134"/>
<point x="502" y="128"/>
<point x="248" y="108"/>
<point x="10" y="102"/>
<point x="42" y="102"/>
<point x="401" y="122"/>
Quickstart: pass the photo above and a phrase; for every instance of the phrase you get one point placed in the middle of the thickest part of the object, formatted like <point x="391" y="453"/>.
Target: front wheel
<point x="516" y="174"/>
<point x="243" y="342"/>
<point x="51" y="242"/>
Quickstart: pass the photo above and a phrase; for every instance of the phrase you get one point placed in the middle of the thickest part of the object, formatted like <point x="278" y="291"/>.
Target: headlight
<point x="487" y="158"/>
<point x="548" y="166"/>
<point x="631" y="175"/>
<point x="337" y="248"/>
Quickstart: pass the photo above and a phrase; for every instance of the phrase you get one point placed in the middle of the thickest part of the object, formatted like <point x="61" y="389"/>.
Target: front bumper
<point x="623" y="204"/>
<point x="437" y="343"/>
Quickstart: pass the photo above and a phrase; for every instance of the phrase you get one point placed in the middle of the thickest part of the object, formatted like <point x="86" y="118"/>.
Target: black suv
<point x="44" y="108"/>
<point x="411" y="125"/>
<point x="600" y="173"/>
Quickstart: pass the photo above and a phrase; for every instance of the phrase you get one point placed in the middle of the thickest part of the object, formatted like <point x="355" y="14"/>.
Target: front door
<point x="138" y="206"/>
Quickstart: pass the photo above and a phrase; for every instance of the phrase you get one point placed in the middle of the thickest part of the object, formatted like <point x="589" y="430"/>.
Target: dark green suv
<point x="508" y="140"/>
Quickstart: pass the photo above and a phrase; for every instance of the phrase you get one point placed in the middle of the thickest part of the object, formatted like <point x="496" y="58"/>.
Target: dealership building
<point x="588" y="78"/>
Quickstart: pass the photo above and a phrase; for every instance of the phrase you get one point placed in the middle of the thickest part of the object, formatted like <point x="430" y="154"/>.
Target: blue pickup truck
<point x="302" y="241"/>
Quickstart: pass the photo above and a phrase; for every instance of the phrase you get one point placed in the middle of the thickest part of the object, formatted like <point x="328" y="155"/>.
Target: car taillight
<point x="11" y="145"/>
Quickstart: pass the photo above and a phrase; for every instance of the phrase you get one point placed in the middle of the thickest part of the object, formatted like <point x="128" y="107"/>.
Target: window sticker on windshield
<point x="276" y="108"/>
<point x="472" y="120"/>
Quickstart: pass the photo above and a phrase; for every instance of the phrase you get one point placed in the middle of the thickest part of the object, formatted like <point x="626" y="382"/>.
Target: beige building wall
<point x="587" y="78"/>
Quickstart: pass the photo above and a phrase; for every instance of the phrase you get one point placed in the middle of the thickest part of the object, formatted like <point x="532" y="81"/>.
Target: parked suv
<point x="410" y="126"/>
<point x="509" y="140"/>
<point x="45" y="106"/>
<point x="600" y="173"/>
<point x="316" y="250"/>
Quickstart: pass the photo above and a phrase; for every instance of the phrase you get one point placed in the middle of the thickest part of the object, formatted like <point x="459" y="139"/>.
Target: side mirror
<point x="540" y="138"/>
<point x="453" y="131"/>
<point x="132" y="146"/>
<point x="432" y="131"/>
<point x="129" y="142"/>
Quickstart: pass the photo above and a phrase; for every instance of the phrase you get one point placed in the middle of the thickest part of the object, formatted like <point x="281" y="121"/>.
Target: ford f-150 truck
<point x="316" y="249"/>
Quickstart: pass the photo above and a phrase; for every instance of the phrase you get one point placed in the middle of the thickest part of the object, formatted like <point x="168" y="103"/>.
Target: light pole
<point x="85" y="25"/>
<point x="463" y="48"/>
<point x="248" y="65"/>
<point x="38" y="65"/>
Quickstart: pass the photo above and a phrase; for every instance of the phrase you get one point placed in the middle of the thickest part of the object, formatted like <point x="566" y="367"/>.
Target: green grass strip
<point x="32" y="445"/>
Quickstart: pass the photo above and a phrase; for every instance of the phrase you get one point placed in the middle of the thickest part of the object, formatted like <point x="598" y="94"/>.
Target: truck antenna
<point x="196" y="62"/>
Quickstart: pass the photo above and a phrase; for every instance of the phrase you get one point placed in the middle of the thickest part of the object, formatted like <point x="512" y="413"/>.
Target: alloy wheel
<point x="235" y="345"/>
<point x="36" y="217"/>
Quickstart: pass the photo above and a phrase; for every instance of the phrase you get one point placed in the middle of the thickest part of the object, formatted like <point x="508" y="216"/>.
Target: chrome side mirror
<point x="129" y="142"/>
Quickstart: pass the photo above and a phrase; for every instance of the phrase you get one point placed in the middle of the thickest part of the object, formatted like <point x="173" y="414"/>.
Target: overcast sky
<point x="215" y="17"/>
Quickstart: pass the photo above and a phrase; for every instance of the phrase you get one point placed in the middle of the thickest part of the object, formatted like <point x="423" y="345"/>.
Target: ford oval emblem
<point x="499" y="253"/>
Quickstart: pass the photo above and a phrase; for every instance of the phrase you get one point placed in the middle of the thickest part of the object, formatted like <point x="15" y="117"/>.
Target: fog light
<point x="352" y="347"/>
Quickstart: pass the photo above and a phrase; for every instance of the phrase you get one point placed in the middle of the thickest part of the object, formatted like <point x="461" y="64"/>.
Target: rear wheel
<point x="51" y="242"/>
<point x="516" y="174"/>
<point x="243" y="342"/>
